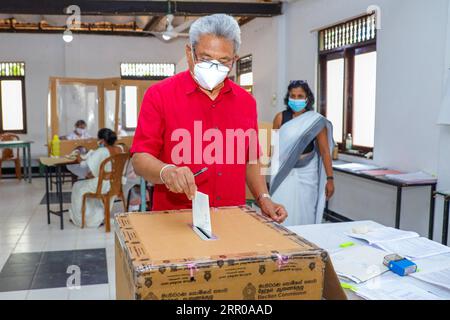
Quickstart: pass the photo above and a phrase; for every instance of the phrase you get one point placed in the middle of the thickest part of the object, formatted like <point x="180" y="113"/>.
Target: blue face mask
<point x="297" y="105"/>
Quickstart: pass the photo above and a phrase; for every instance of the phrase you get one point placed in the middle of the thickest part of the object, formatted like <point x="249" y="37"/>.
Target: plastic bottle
<point x="349" y="142"/>
<point x="56" y="151"/>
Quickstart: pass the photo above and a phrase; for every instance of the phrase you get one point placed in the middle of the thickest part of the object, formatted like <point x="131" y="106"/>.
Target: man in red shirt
<point x="200" y="119"/>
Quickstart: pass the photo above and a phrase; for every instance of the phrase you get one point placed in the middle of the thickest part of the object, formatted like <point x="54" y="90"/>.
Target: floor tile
<point x="48" y="294"/>
<point x="90" y="292"/>
<point x="13" y="295"/>
<point x="15" y="283"/>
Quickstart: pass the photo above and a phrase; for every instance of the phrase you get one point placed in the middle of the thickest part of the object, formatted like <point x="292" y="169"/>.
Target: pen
<point x="200" y="171"/>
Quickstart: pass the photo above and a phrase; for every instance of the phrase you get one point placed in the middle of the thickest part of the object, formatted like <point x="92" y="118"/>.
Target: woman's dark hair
<point x="108" y="135"/>
<point x="304" y="85"/>
<point x="80" y="123"/>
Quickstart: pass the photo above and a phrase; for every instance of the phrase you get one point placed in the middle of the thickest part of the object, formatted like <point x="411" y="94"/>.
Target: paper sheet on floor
<point x="383" y="234"/>
<point x="394" y="290"/>
<point x="359" y="263"/>
<point x="437" y="277"/>
<point x="414" y="248"/>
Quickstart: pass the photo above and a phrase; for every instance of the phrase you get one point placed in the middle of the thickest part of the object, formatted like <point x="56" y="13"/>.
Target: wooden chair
<point x="8" y="154"/>
<point x="114" y="176"/>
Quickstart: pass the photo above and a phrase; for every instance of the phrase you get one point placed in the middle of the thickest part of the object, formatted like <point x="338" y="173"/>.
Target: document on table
<point x="439" y="277"/>
<point x="201" y="214"/>
<point x="383" y="234"/>
<point x="413" y="177"/>
<point x="359" y="263"/>
<point x="414" y="248"/>
<point x="355" y="167"/>
<point x="394" y="290"/>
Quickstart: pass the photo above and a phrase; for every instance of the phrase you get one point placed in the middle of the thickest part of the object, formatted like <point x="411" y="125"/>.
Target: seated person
<point x="94" y="208"/>
<point x="80" y="131"/>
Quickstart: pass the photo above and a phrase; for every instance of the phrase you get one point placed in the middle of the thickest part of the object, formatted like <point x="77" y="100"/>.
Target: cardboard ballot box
<point x="159" y="256"/>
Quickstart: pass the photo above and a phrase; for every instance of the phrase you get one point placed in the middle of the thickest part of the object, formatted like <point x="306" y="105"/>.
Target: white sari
<point x="298" y="180"/>
<point x="95" y="212"/>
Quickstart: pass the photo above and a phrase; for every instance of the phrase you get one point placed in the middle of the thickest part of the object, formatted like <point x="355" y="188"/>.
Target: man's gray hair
<point x="220" y="25"/>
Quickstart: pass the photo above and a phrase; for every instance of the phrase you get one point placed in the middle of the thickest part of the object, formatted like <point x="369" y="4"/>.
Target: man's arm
<point x="257" y="185"/>
<point x="176" y="179"/>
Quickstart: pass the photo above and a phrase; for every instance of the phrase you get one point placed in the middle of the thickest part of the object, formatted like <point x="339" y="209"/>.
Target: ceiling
<point x="122" y="17"/>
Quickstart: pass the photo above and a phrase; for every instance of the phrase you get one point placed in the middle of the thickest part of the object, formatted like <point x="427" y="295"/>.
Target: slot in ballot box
<point x="159" y="256"/>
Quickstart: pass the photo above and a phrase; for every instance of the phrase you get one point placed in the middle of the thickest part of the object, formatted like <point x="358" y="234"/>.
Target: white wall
<point x="260" y="38"/>
<point x="411" y="48"/>
<point x="87" y="56"/>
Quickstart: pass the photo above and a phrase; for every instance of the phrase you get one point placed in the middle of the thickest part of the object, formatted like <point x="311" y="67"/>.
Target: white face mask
<point x="80" y="131"/>
<point x="209" y="78"/>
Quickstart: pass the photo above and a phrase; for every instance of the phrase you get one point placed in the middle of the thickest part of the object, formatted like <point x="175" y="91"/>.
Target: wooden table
<point x="26" y="152"/>
<point x="57" y="164"/>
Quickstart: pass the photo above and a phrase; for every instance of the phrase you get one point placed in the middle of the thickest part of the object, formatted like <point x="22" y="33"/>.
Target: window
<point x="347" y="84"/>
<point x="244" y="73"/>
<point x="146" y="71"/>
<point x="12" y="97"/>
<point x="129" y="107"/>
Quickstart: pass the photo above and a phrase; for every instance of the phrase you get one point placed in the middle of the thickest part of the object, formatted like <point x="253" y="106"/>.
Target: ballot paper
<point x="355" y="167"/>
<point x="439" y="277"/>
<point x="359" y="263"/>
<point x="383" y="234"/>
<point x="394" y="290"/>
<point x="201" y="215"/>
<point x="414" y="248"/>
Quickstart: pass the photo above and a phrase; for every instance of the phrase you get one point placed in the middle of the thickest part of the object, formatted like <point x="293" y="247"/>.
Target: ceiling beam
<point x="153" y="23"/>
<point x="133" y="7"/>
<point x="244" y="20"/>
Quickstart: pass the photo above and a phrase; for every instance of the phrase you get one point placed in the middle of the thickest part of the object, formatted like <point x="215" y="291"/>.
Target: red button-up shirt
<point x="176" y="113"/>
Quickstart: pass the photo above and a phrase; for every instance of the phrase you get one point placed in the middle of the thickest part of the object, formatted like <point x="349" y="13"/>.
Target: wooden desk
<point x="56" y="164"/>
<point x="26" y="152"/>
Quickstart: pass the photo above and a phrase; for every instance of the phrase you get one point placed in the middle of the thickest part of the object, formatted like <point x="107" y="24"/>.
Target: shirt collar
<point x="191" y="86"/>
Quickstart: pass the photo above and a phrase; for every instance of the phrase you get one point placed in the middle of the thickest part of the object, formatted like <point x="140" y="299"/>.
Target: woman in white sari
<point x="302" y="172"/>
<point x="95" y="213"/>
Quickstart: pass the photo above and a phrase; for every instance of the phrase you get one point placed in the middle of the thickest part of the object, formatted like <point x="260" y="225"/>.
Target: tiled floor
<point x="24" y="229"/>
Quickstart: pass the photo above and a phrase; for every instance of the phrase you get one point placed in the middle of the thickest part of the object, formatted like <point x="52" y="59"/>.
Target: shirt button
<point x="219" y="173"/>
<point x="213" y="106"/>
<point x="218" y="198"/>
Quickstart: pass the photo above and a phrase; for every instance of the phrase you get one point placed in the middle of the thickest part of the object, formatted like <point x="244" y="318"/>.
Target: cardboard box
<point x="159" y="256"/>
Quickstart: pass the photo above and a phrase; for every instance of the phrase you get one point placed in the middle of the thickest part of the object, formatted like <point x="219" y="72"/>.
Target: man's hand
<point x="180" y="180"/>
<point x="273" y="210"/>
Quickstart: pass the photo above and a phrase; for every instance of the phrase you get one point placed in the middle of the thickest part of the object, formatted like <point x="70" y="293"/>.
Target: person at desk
<point x="302" y="173"/>
<point x="94" y="208"/>
<point x="80" y="131"/>
<point x="192" y="106"/>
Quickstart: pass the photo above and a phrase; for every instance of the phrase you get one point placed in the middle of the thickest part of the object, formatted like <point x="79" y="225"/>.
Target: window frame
<point x="24" y="108"/>
<point x="347" y="52"/>
<point x="239" y="72"/>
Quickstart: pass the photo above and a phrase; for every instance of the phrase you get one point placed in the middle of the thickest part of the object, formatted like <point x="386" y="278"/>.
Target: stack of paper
<point x="414" y="248"/>
<point x="376" y="173"/>
<point x="405" y="243"/>
<point x="394" y="290"/>
<point x="383" y="234"/>
<point x="359" y="263"/>
<point x="355" y="167"/>
<point x="439" y="277"/>
<point x="413" y="177"/>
